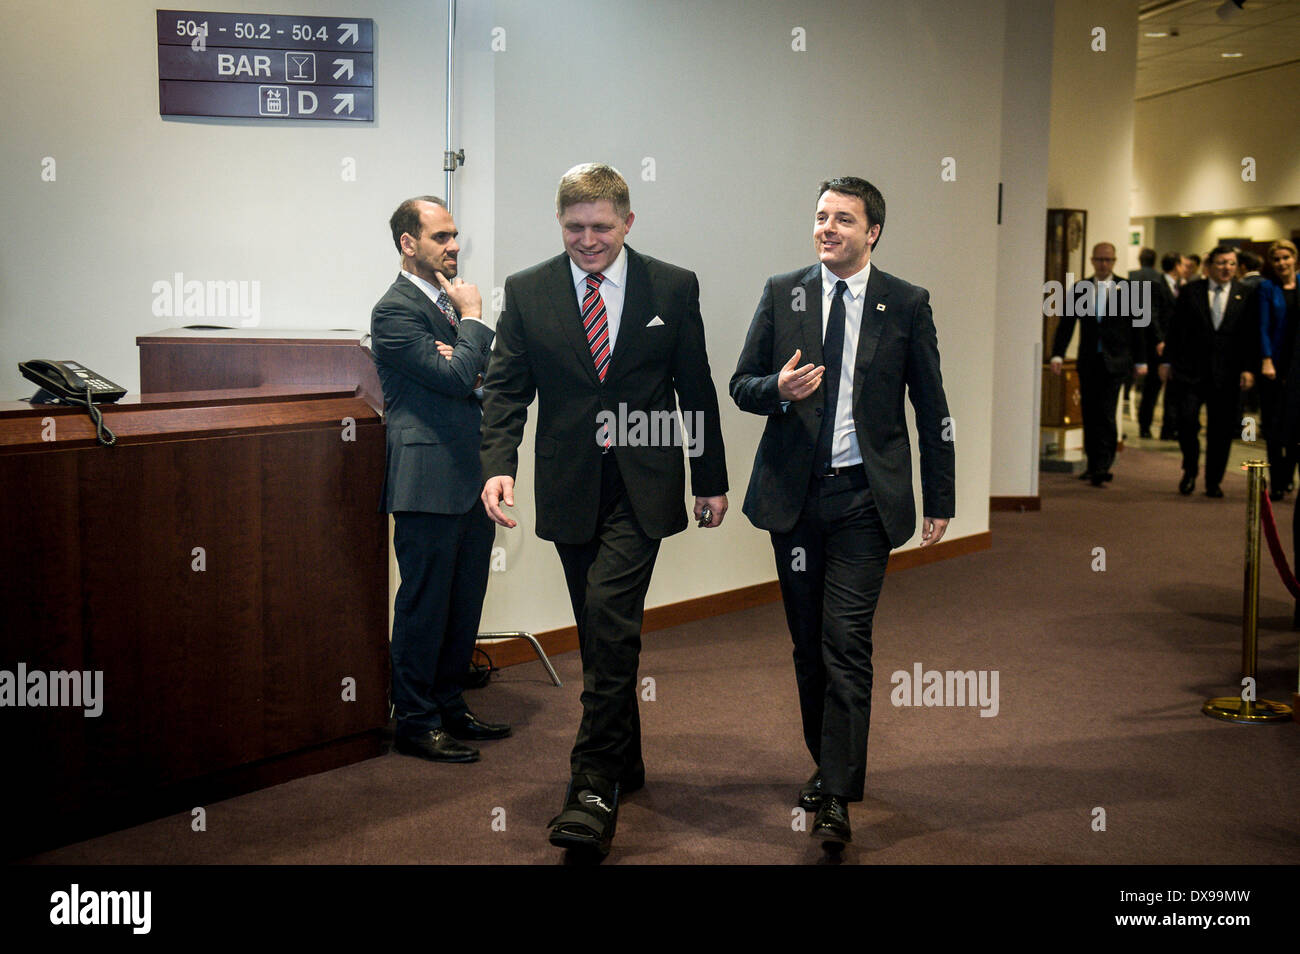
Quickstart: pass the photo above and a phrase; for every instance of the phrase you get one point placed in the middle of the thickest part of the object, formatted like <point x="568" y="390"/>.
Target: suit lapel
<point x="438" y="322"/>
<point x="1200" y="292"/>
<point x="1232" y="307"/>
<point x="637" y="302"/>
<point x="810" y="320"/>
<point x="568" y="312"/>
<point x="875" y="308"/>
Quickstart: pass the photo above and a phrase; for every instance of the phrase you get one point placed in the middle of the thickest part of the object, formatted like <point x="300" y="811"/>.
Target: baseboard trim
<point x="1015" y="504"/>
<point x="565" y="639"/>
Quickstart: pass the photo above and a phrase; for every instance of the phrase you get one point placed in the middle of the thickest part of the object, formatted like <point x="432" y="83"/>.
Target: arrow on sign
<point x="348" y="31"/>
<point x="344" y="66"/>
<point x="344" y="99"/>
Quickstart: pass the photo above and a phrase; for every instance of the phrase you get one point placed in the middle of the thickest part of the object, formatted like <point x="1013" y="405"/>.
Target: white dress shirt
<point x="844" y="442"/>
<point x="612" y="290"/>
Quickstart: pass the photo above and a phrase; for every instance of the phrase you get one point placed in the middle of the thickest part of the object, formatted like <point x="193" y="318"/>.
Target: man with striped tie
<point x="603" y="333"/>
<point x="430" y="347"/>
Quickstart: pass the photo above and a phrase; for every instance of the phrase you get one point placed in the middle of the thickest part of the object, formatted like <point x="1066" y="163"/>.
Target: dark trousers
<point x="1222" y="424"/>
<point x="1099" y="396"/>
<point x="1272" y="413"/>
<point x="444" y="561"/>
<point x="831" y="566"/>
<point x="1151" y="390"/>
<point x="607" y="579"/>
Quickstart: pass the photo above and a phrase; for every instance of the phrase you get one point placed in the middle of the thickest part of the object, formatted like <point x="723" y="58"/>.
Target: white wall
<point x="138" y="197"/>
<point x="1091" y="155"/>
<point x="1190" y="145"/>
<point x="741" y="128"/>
<point x="1026" y="104"/>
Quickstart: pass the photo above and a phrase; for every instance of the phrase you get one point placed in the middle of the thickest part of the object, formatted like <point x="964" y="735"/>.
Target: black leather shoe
<point x="586" y="823"/>
<point x="1097" y="480"/>
<point x="468" y="726"/>
<point x="810" y="796"/>
<point x="831" y="826"/>
<point x="436" y="745"/>
<point x="1213" y="491"/>
<point x="1186" y="485"/>
<point x="1108" y="476"/>
<point x="1086" y="475"/>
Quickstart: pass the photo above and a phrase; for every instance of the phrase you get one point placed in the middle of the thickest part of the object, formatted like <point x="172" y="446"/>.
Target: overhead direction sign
<point x="265" y="66"/>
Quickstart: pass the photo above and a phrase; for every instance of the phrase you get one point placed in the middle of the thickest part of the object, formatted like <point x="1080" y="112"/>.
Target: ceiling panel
<point x="1265" y="32"/>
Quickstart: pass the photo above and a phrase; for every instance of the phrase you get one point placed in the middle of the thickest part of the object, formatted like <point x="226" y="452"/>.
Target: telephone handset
<point x="69" y="380"/>
<point x="76" y="385"/>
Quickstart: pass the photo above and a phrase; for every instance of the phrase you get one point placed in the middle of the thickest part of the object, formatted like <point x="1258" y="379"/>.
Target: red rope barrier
<point x="1275" y="548"/>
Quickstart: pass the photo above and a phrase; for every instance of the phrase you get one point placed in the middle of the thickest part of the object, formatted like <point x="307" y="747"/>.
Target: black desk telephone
<point x="69" y="381"/>
<point x="73" y="384"/>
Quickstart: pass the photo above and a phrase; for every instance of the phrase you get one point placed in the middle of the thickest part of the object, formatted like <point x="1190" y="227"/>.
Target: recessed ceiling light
<point x="1228" y="56"/>
<point x="1155" y="36"/>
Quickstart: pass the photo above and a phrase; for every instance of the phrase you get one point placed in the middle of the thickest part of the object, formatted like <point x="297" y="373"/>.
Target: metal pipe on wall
<point x="449" y="153"/>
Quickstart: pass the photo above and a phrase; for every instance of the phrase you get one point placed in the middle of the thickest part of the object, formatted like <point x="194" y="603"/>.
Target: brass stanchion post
<point x="1245" y="708"/>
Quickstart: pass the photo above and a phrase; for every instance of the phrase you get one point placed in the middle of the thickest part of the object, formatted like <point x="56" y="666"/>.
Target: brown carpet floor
<point x="1101" y="678"/>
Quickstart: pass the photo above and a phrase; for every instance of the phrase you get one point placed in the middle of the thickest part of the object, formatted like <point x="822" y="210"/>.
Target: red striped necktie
<point x="596" y="323"/>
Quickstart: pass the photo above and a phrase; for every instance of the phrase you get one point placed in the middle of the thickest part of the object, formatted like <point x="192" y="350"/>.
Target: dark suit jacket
<point x="1161" y="304"/>
<point x="1197" y="353"/>
<point x="541" y="349"/>
<point x="1122" y="343"/>
<point x="430" y="411"/>
<point x="897" y="347"/>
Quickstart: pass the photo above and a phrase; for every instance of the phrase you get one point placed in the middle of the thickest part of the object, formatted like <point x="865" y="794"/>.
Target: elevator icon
<point x="273" y="100"/>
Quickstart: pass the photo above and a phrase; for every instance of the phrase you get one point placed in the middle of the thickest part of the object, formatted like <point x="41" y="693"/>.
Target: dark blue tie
<point x="833" y="352"/>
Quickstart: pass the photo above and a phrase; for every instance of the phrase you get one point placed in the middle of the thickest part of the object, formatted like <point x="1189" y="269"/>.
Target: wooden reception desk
<point x="223" y="566"/>
<point x="190" y="359"/>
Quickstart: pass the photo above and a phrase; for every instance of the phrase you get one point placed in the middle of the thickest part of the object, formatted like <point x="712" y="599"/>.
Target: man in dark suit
<point x="1111" y="348"/>
<point x="832" y="478"/>
<point x="1211" y="353"/>
<point x="1159" y="296"/>
<point x="430" y="347"/>
<point x="603" y="335"/>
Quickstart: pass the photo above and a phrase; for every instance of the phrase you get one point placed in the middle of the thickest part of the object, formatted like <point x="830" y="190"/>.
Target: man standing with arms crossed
<point x="430" y="348"/>
<point x="602" y="330"/>
<point x="832" y="479"/>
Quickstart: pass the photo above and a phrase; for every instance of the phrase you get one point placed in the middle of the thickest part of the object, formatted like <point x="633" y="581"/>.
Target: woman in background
<point x="1278" y="320"/>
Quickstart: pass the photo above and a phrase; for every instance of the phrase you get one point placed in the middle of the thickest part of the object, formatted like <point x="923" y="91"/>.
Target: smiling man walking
<point x="829" y="354"/>
<point x="602" y="331"/>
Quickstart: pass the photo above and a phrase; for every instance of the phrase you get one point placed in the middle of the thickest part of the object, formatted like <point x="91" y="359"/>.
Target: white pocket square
<point x="655" y="322"/>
